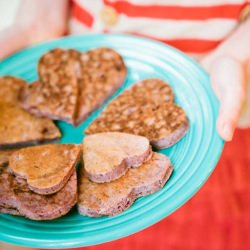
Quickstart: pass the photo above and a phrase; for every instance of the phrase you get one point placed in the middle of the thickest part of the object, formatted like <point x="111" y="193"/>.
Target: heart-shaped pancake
<point x="72" y="84"/>
<point x="97" y="199"/>
<point x="145" y="109"/>
<point x="46" y="168"/>
<point x="16" y="198"/>
<point x="107" y="156"/>
<point x="18" y="127"/>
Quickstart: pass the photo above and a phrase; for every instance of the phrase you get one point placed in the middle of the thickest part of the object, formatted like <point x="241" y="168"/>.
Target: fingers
<point x="244" y="121"/>
<point x="11" y="40"/>
<point x="229" y="84"/>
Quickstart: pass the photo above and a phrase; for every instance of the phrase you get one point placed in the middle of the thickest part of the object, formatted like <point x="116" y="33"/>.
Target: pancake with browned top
<point x="98" y="199"/>
<point x="46" y="168"/>
<point x="72" y="84"/>
<point x="55" y="94"/>
<point x="18" y="127"/>
<point x="145" y="109"/>
<point x="107" y="156"/>
<point x="103" y="72"/>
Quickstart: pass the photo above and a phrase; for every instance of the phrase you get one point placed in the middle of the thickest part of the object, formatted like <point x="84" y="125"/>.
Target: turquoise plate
<point x="194" y="157"/>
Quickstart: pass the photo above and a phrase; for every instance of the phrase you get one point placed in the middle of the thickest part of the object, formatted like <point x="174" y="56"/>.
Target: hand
<point x="227" y="66"/>
<point x="36" y="21"/>
<point x="229" y="84"/>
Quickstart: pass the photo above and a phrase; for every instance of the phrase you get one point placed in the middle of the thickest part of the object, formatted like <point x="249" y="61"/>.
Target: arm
<point x="35" y="21"/>
<point x="226" y="66"/>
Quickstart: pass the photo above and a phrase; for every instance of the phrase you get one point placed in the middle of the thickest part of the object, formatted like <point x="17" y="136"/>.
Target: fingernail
<point x="228" y="132"/>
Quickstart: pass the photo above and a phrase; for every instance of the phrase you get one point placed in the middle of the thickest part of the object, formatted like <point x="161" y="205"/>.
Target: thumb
<point x="12" y="39"/>
<point x="229" y="84"/>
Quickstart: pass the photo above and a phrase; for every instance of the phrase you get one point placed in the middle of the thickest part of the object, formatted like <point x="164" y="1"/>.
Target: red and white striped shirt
<point x="193" y="26"/>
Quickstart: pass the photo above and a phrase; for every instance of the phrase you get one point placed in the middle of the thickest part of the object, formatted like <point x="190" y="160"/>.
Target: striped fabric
<point x="193" y="26"/>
